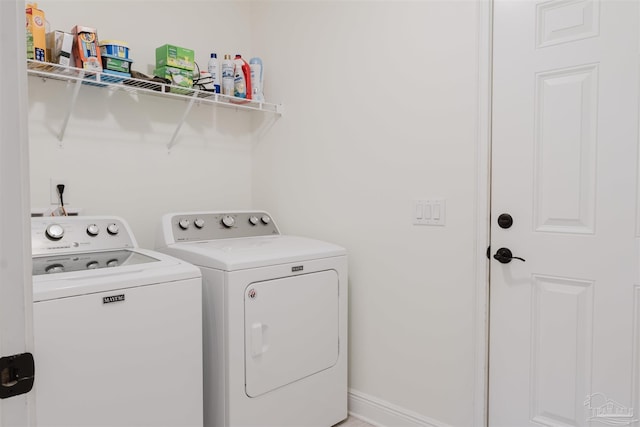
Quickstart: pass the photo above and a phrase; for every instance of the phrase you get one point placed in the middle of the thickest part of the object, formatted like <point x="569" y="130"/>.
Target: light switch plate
<point x="429" y="212"/>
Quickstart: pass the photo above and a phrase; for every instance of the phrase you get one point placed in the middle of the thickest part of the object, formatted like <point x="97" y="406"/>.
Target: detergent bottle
<point x="242" y="78"/>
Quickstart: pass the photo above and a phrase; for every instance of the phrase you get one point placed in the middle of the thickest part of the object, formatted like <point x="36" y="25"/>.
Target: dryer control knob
<point x="184" y="224"/>
<point x="93" y="230"/>
<point x="199" y="222"/>
<point x="253" y="220"/>
<point x="228" y="221"/>
<point x="265" y="219"/>
<point x="54" y="231"/>
<point x="113" y="229"/>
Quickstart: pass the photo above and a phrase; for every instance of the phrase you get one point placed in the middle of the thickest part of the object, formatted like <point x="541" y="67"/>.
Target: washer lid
<point x="253" y="252"/>
<point x="138" y="267"/>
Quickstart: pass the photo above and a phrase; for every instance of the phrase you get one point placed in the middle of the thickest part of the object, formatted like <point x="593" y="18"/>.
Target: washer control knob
<point x="54" y="231"/>
<point x="113" y="229"/>
<point x="93" y="230"/>
<point x="228" y="221"/>
<point x="265" y="219"/>
<point x="92" y="265"/>
<point x="112" y="263"/>
<point x="199" y="222"/>
<point x="253" y="220"/>
<point x="184" y="224"/>
<point x="54" y="268"/>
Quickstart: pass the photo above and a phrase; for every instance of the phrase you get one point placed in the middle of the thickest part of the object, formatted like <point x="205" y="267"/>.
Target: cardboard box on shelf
<point x="86" y="49"/>
<point x="36" y="36"/>
<point x="59" y="48"/>
<point x="174" y="56"/>
<point x="178" y="77"/>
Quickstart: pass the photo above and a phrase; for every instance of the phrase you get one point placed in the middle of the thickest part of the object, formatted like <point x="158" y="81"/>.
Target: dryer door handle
<point x="258" y="339"/>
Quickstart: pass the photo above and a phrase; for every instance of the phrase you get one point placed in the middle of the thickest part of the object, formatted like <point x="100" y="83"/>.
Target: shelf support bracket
<point x="181" y="122"/>
<point x="72" y="104"/>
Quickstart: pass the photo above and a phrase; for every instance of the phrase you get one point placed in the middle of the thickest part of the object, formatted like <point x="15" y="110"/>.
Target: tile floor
<point x="353" y="422"/>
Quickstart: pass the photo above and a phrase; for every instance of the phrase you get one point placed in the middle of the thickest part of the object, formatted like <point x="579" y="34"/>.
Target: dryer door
<point x="291" y="329"/>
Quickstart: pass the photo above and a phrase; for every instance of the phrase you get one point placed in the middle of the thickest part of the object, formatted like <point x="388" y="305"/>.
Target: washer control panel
<point x="64" y="263"/>
<point x="61" y="234"/>
<point x="197" y="226"/>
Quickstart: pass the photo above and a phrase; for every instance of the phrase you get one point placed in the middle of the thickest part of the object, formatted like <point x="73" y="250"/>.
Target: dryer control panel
<point x="61" y="234"/>
<point x="197" y="226"/>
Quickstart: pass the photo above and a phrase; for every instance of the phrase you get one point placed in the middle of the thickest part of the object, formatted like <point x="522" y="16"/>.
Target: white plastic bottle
<point x="257" y="78"/>
<point x="212" y="67"/>
<point x="227" y="75"/>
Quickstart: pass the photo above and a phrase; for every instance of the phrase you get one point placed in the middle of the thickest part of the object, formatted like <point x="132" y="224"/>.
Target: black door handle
<point x="504" y="255"/>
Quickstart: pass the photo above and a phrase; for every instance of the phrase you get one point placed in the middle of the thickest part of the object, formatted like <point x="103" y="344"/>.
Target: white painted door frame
<point x="482" y="209"/>
<point x="16" y="329"/>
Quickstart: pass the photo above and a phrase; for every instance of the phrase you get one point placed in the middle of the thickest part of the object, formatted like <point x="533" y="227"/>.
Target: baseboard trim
<point x="379" y="413"/>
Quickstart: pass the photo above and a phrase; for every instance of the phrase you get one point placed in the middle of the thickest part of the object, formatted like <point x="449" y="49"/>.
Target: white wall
<point x="380" y="100"/>
<point x="380" y="109"/>
<point x="114" y="156"/>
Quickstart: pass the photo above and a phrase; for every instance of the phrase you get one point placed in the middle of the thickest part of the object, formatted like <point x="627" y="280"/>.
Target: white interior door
<point x="564" y="324"/>
<point x="15" y="248"/>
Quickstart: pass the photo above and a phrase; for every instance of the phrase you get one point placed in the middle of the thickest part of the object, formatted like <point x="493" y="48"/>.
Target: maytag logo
<point x="297" y="268"/>
<point x="113" y="298"/>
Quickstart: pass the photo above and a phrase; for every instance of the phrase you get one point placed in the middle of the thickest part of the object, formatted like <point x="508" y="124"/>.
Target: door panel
<point x="291" y="329"/>
<point x="564" y="165"/>
<point x="561" y="329"/>
<point x="565" y="146"/>
<point x="566" y="21"/>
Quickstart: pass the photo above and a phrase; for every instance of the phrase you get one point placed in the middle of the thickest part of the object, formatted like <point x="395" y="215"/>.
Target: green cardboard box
<point x="174" y="56"/>
<point x="178" y="76"/>
<point x="116" y="64"/>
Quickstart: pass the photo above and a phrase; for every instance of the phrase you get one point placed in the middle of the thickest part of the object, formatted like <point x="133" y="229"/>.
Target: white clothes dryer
<point x="275" y="319"/>
<point x="117" y="328"/>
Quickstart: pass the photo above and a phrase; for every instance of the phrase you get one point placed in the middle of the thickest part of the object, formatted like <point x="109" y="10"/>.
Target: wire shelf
<point x="58" y="72"/>
<point x="80" y="77"/>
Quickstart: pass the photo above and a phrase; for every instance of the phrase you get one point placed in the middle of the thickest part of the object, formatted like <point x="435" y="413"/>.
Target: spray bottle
<point x="257" y="79"/>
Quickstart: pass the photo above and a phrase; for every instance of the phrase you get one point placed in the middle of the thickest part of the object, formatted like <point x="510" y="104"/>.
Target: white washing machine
<point x="117" y="329"/>
<point x="275" y="319"/>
